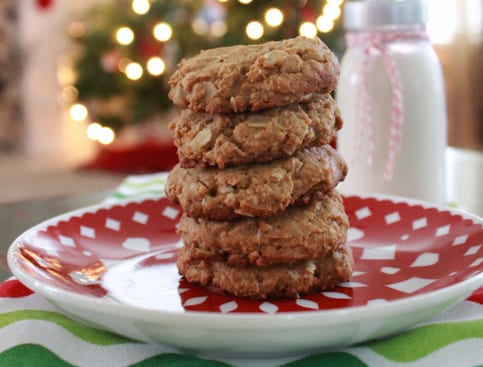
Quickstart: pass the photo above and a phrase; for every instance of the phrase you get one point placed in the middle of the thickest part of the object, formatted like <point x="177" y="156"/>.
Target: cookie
<point x="256" y="190"/>
<point x="298" y="233"/>
<point x="277" y="281"/>
<point x="225" y="140"/>
<point x="254" y="77"/>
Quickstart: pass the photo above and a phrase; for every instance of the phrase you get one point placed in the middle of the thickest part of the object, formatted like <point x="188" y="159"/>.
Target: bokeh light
<point x="141" y="6"/>
<point x="254" y="30"/>
<point x="162" y="32"/>
<point x="308" y="29"/>
<point x="134" y="71"/>
<point x="78" y="112"/>
<point x="273" y="17"/>
<point x="155" y="66"/>
<point x="124" y="35"/>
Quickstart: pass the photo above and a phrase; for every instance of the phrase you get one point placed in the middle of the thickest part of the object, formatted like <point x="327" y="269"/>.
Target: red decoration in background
<point x="308" y="14"/>
<point x="144" y="157"/>
<point x="44" y="4"/>
<point x="149" y="47"/>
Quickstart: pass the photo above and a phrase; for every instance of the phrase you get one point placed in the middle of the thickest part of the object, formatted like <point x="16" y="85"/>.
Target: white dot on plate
<point x="66" y="241"/>
<point x="453" y="273"/>
<point x="354" y="234"/>
<point x="87" y="232"/>
<point x="268" y="307"/>
<point x="441" y="231"/>
<point x="392" y="218"/>
<point x="113" y="224"/>
<point x="460" y="240"/>
<point x="411" y="285"/>
<point x="140" y="217"/>
<point x="228" y="307"/>
<point x="195" y="301"/>
<point x="472" y="250"/>
<point x="164" y="255"/>
<point x="352" y="285"/>
<point x="419" y="223"/>
<point x="170" y="212"/>
<point x="363" y="213"/>
<point x="87" y="253"/>
<point x="389" y="270"/>
<point x="379" y="253"/>
<point x="336" y="295"/>
<point x="477" y="262"/>
<point x="404" y="237"/>
<point x="426" y="259"/>
<point x="305" y="303"/>
<point x="137" y="244"/>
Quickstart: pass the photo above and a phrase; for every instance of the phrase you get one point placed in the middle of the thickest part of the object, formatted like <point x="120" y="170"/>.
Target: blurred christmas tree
<point x="127" y="49"/>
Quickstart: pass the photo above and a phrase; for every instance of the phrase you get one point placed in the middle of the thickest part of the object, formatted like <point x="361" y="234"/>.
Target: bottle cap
<point x="369" y="13"/>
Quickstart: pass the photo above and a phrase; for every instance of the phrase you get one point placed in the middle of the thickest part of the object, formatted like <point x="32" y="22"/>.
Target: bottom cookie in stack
<point x="298" y="251"/>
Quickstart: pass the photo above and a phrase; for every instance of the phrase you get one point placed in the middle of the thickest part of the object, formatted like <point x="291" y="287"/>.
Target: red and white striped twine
<point x="377" y="42"/>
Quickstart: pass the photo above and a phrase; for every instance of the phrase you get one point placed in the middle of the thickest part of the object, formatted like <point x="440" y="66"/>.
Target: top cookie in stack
<point x="256" y="176"/>
<point x="256" y="77"/>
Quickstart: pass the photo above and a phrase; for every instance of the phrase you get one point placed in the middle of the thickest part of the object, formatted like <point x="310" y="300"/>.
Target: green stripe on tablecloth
<point x="144" y="184"/>
<point x="31" y="355"/>
<point x="335" y="359"/>
<point x="86" y="333"/>
<point x="178" y="360"/>
<point x="154" y="193"/>
<point x="424" y="340"/>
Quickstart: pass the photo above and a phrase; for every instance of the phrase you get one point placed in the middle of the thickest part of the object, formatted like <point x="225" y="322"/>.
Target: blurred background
<point x="83" y="84"/>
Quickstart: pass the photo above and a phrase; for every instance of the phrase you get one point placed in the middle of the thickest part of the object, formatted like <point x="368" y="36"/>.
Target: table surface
<point x="464" y="187"/>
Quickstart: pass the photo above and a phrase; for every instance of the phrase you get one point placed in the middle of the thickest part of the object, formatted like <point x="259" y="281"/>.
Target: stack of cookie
<point x="256" y="175"/>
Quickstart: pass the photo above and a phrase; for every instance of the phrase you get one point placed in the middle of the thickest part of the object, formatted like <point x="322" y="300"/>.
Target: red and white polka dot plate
<point x="114" y="266"/>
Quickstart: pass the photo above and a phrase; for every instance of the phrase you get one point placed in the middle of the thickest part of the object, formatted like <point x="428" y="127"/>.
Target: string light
<point x="140" y="6"/>
<point x="124" y="35"/>
<point x="331" y="10"/>
<point x="93" y="130"/>
<point x="218" y="28"/>
<point x="77" y="29"/>
<point x="200" y="26"/>
<point x="123" y="63"/>
<point x="162" y="32"/>
<point x="335" y="2"/>
<point x="78" y="112"/>
<point x="155" y="66"/>
<point x="245" y="2"/>
<point x="70" y="93"/>
<point x="308" y="29"/>
<point x="254" y="30"/>
<point x="134" y="71"/>
<point x="273" y="17"/>
<point x="324" y="24"/>
<point x="66" y="75"/>
<point x="106" y="135"/>
<point x="103" y="134"/>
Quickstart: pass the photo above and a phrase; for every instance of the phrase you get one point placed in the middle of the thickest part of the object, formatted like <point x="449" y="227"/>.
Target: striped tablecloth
<point x="34" y="333"/>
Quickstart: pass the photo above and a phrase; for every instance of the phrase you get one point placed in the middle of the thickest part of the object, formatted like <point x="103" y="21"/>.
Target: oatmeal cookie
<point x="258" y="189"/>
<point x="226" y="140"/>
<point x="298" y="233"/>
<point x="254" y="77"/>
<point x="277" y="281"/>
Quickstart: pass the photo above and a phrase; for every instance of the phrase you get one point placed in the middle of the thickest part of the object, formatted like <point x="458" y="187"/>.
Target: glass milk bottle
<point x="391" y="96"/>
